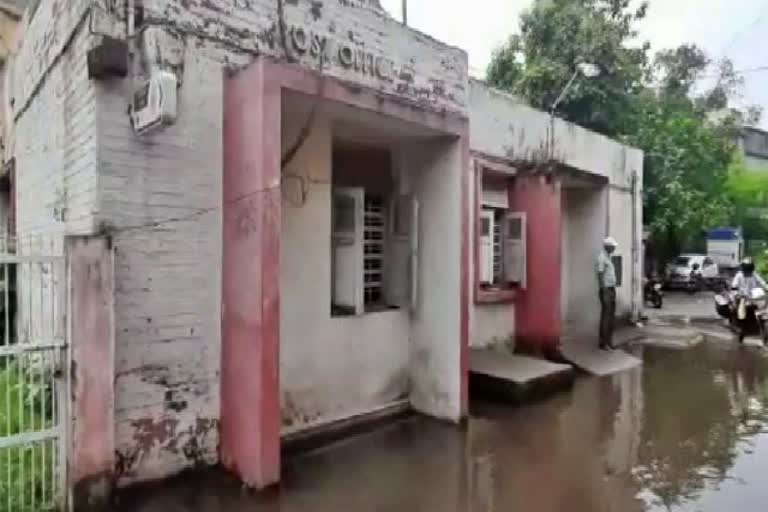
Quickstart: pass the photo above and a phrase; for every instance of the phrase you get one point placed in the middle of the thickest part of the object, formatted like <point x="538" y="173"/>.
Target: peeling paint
<point x="252" y="28"/>
<point x="167" y="328"/>
<point x="149" y="432"/>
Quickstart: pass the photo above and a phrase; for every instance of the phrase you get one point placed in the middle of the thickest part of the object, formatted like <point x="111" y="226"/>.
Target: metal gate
<point x="33" y="384"/>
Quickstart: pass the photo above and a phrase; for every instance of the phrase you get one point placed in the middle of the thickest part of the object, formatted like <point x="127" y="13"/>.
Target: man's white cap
<point x="610" y="242"/>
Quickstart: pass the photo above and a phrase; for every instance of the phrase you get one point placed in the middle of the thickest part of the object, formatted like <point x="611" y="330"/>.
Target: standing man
<point x="606" y="282"/>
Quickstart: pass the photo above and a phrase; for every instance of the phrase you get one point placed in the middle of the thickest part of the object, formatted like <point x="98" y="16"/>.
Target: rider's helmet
<point x="748" y="266"/>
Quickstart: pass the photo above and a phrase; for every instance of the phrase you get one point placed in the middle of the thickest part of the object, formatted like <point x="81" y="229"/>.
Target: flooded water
<point x="687" y="432"/>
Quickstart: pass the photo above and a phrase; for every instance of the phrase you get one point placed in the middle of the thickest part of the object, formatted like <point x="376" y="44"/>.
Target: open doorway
<point x="583" y="230"/>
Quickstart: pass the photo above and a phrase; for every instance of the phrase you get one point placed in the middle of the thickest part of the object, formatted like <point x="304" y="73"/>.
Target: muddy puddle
<point x="687" y="432"/>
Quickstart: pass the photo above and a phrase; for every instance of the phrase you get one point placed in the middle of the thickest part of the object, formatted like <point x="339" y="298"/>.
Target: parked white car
<point x="692" y="271"/>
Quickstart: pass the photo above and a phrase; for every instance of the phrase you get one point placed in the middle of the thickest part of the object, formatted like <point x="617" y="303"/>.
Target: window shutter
<point x="347" y="246"/>
<point x="495" y="194"/>
<point x="515" y="249"/>
<point x="414" y="266"/>
<point x="402" y="256"/>
<point x="486" y="247"/>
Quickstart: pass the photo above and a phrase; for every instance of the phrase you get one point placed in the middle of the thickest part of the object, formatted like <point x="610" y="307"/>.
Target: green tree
<point x="762" y="264"/>
<point x="747" y="191"/>
<point x="651" y="103"/>
<point x="688" y="150"/>
<point x="555" y="36"/>
<point x="685" y="171"/>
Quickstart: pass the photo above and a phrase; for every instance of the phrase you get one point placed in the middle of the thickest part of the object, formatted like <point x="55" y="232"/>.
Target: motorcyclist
<point x="744" y="282"/>
<point x="747" y="279"/>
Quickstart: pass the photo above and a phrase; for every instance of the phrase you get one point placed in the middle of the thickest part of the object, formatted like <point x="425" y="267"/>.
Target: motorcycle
<point x="695" y="280"/>
<point x="752" y="320"/>
<point x="652" y="292"/>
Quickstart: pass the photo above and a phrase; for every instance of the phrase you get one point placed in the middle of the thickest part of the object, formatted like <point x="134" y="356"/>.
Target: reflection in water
<point x="683" y="433"/>
<point x="705" y="408"/>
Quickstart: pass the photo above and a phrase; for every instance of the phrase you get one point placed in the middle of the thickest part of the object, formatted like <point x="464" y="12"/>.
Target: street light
<point x="586" y="69"/>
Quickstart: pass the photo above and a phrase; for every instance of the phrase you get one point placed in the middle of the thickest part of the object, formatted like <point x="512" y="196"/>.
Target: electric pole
<point x="405" y="12"/>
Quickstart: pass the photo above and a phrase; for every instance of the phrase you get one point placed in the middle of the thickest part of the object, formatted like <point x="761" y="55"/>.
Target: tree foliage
<point x="651" y="102"/>
<point x="555" y="36"/>
<point x="685" y="171"/>
<point x="762" y="264"/>
<point x="747" y="192"/>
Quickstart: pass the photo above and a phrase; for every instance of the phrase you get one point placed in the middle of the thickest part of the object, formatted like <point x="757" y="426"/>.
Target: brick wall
<point x="413" y="65"/>
<point x="56" y="185"/>
<point x="56" y="181"/>
<point x="46" y="37"/>
<point x="88" y="164"/>
<point x="168" y="277"/>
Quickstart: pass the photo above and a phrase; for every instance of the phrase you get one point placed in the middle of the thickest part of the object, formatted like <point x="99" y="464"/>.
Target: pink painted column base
<point x="91" y="294"/>
<point x="538" y="321"/>
<point x="250" y="407"/>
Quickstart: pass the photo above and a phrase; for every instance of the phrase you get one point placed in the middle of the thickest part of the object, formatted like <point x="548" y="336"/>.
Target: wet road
<point x="687" y="432"/>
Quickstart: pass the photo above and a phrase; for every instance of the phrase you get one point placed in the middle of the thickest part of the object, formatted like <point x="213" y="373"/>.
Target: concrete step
<point x="684" y="319"/>
<point x="516" y="378"/>
<point x="669" y="336"/>
<point x="583" y="352"/>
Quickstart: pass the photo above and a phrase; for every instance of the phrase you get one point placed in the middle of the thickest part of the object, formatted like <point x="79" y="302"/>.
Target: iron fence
<point x="33" y="385"/>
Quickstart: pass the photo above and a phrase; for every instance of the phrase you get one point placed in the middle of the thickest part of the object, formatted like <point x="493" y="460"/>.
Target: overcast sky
<point x="736" y="28"/>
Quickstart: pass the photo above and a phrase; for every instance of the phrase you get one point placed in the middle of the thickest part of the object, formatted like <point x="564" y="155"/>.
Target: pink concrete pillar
<point x="537" y="309"/>
<point x="250" y="405"/>
<point x="91" y="297"/>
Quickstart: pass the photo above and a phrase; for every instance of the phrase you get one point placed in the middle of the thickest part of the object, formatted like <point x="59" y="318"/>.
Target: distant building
<point x="753" y="145"/>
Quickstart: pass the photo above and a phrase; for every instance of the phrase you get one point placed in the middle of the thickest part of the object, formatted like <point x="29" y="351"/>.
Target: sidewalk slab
<point x="671" y="337"/>
<point x="516" y="378"/>
<point x="589" y="358"/>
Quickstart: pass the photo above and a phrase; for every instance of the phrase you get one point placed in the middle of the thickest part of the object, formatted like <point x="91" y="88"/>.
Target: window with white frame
<point x="502" y="238"/>
<point x="374" y="248"/>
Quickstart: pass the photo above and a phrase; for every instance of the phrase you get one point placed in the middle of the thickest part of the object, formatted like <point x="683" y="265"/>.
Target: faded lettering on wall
<point x="349" y="56"/>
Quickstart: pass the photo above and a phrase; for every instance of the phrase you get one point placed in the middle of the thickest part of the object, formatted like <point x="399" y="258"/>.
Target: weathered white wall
<point x="504" y="126"/>
<point x="56" y="149"/>
<point x="493" y="326"/>
<point x="330" y="368"/>
<point x="620" y="227"/>
<point x="47" y="37"/>
<point x="161" y="195"/>
<point x="583" y="232"/>
<point x="56" y="167"/>
<point x="404" y="62"/>
<point x="80" y="168"/>
<point x="437" y="167"/>
<point x="168" y="275"/>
